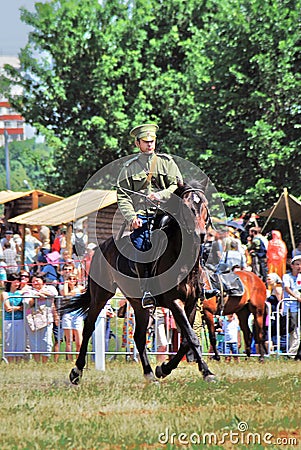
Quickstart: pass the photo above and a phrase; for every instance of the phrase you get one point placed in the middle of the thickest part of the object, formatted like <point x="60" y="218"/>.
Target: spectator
<point x="13" y="318"/>
<point x="274" y="296"/>
<point x="3" y="273"/>
<point x="10" y="256"/>
<point x="276" y="254"/>
<point x="232" y="336"/>
<point x="257" y="249"/>
<point x="79" y="241"/>
<point x="128" y="330"/>
<point x="297" y="250"/>
<point x="220" y="336"/>
<point x="88" y="257"/>
<point x="292" y="299"/>
<point x="72" y="323"/>
<point x="50" y="270"/>
<point x="18" y="242"/>
<point x="26" y="291"/>
<point x="65" y="258"/>
<point x="59" y="243"/>
<point x="40" y="338"/>
<point x="274" y="290"/>
<point x="160" y="341"/>
<point x="45" y="237"/>
<point x="67" y="268"/>
<point x="32" y="245"/>
<point x="233" y="257"/>
<point x="9" y="238"/>
<point x="57" y="330"/>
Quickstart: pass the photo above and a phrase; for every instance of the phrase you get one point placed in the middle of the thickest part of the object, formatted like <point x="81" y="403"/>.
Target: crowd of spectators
<point x="50" y="272"/>
<point x="268" y="257"/>
<point x="31" y="293"/>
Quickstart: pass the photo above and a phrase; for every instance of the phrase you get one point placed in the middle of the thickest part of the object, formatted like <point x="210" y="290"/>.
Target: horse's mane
<point x="172" y="205"/>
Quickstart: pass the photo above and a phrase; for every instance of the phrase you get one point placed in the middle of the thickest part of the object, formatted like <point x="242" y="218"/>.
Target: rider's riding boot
<point x="211" y="293"/>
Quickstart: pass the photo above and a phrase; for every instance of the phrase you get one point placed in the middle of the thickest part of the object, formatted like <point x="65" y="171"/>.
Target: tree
<point x="252" y="119"/>
<point x="29" y="161"/>
<point x="222" y="78"/>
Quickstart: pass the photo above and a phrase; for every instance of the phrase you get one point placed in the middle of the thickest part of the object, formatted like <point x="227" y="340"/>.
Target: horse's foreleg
<point x="167" y="367"/>
<point x="190" y="340"/>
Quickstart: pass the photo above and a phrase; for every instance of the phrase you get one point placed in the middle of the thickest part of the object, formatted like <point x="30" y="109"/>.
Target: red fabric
<point x="56" y="245"/>
<point x="277" y="254"/>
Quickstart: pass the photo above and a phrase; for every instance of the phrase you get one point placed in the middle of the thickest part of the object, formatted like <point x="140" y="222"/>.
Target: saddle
<point x="221" y="277"/>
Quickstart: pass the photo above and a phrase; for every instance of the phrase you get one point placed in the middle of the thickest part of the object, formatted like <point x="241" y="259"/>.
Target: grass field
<point x="251" y="405"/>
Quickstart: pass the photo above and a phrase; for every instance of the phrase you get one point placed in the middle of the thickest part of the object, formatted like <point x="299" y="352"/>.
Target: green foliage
<point x="222" y="79"/>
<point x="29" y="161"/>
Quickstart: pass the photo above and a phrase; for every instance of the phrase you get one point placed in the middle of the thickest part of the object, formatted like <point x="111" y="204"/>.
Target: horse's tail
<point x="79" y="303"/>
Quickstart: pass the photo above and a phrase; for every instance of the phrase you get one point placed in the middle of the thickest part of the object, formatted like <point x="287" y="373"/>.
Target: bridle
<point x="201" y="195"/>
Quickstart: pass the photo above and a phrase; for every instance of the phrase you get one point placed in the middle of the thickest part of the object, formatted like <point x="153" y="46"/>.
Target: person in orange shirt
<point x="276" y="254"/>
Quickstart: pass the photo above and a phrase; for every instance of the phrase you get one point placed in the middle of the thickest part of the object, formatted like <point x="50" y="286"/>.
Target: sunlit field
<point x="251" y="405"/>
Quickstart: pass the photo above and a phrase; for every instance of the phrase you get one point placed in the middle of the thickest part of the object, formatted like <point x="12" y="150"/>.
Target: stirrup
<point x="148" y="301"/>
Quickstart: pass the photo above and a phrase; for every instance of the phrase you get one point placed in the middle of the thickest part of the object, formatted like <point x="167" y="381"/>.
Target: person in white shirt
<point x="232" y="336"/>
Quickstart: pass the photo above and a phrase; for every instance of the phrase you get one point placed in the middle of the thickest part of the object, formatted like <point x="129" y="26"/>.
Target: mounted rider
<point x="145" y="180"/>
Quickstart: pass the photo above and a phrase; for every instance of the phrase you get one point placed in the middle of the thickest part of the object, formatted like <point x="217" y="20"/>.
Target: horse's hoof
<point x="297" y="358"/>
<point x="210" y="378"/>
<point x="216" y="357"/>
<point x="159" y="372"/>
<point x="75" y="375"/>
<point x="150" y="378"/>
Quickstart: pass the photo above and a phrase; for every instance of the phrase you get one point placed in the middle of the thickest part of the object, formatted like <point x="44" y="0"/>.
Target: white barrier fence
<point x="113" y="337"/>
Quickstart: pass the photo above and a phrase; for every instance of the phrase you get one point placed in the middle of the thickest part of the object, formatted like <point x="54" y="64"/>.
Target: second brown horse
<point x="251" y="302"/>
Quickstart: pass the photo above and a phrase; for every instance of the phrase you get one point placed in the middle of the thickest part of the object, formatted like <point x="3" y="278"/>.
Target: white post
<point x="100" y="345"/>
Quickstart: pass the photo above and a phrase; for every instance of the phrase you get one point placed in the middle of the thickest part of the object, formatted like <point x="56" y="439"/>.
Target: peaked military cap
<point x="146" y="132"/>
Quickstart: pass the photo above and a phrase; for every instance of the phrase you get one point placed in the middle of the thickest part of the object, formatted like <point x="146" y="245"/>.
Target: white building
<point x="10" y="120"/>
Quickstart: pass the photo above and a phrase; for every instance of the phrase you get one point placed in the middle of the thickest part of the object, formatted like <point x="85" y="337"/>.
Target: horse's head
<point x="195" y="200"/>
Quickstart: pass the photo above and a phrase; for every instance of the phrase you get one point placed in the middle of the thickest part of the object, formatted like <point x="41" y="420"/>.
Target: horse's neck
<point x="175" y="248"/>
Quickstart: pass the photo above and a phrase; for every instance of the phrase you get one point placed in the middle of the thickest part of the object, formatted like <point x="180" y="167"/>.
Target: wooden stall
<point x="97" y="207"/>
<point x="16" y="203"/>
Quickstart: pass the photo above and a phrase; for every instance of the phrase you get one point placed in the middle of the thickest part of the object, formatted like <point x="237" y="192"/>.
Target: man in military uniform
<point x="154" y="178"/>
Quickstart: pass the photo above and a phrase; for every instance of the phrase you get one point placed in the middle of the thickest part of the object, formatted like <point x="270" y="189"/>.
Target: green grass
<point x="116" y="409"/>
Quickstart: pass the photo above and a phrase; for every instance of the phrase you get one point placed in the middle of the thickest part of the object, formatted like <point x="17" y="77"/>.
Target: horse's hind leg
<point x="243" y="316"/>
<point x="259" y="319"/>
<point x="209" y="319"/>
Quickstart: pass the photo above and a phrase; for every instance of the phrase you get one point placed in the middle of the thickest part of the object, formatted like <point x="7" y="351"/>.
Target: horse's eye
<point x="196" y="198"/>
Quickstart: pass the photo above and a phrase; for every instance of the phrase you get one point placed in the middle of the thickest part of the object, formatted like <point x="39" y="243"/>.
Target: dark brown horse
<point x="175" y="280"/>
<point x="251" y="302"/>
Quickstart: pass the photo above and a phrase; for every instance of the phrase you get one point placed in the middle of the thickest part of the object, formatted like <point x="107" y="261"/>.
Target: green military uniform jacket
<point x="133" y="177"/>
